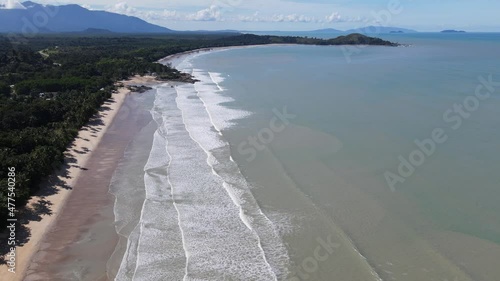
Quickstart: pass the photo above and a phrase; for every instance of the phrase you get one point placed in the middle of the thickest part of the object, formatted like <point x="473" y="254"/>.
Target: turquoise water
<point x="353" y="118"/>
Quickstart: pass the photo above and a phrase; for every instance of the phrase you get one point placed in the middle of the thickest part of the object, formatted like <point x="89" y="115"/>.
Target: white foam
<point x="154" y="249"/>
<point x="199" y="219"/>
<point x="128" y="263"/>
<point x="211" y="92"/>
<point x="160" y="254"/>
<point x="221" y="246"/>
<point x="217" y="78"/>
<point x="189" y="227"/>
<point x="203" y="120"/>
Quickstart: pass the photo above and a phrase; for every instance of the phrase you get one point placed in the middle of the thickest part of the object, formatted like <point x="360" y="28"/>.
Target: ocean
<point x="319" y="163"/>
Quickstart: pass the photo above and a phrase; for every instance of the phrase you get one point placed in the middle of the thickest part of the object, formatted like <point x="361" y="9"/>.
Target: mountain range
<point x="368" y="30"/>
<point x="380" y="29"/>
<point x="38" y="18"/>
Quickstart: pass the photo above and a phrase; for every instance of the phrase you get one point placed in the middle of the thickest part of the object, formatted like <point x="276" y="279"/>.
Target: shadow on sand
<point x="52" y="185"/>
<point x="35" y="212"/>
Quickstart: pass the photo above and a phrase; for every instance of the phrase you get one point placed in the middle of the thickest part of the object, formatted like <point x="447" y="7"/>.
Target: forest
<point x="51" y="85"/>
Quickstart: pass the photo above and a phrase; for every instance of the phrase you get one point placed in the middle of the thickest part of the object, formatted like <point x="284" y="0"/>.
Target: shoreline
<point x="179" y="57"/>
<point x="101" y="219"/>
<point x="56" y="191"/>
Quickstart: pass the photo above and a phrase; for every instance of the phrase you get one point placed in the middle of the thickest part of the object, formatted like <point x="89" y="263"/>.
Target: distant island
<point x="327" y="30"/>
<point x="452" y="31"/>
<point x="380" y="30"/>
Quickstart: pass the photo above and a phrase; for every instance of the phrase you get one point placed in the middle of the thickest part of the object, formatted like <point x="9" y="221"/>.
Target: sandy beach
<point x="72" y="204"/>
<point x="66" y="207"/>
<point x="61" y="197"/>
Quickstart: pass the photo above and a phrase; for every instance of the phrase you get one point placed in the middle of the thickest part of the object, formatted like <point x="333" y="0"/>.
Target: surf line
<point x="234" y="197"/>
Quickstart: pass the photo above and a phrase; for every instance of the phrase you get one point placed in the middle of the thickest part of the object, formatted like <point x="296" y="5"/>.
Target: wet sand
<point x="76" y="196"/>
<point x="83" y="238"/>
<point x="55" y="192"/>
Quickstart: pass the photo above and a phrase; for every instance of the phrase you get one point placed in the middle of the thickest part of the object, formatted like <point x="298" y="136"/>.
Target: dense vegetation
<point x="351" y="39"/>
<point x="76" y="75"/>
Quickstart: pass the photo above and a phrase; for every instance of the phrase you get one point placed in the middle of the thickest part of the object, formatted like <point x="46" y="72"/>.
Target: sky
<point x="296" y="15"/>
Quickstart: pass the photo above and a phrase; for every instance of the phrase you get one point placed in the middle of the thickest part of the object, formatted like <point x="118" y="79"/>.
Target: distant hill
<point x="350" y="39"/>
<point x="328" y="30"/>
<point x="380" y="30"/>
<point x="97" y="31"/>
<point x="452" y="31"/>
<point x="359" y="39"/>
<point x="70" y="18"/>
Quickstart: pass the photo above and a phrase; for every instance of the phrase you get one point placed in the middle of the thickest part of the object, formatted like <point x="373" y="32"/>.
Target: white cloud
<point x="169" y="14"/>
<point x="216" y="13"/>
<point x="293" y="18"/>
<point x="13" y="5"/>
<point x="252" y="18"/>
<point x="209" y="14"/>
<point x="123" y="8"/>
<point x="163" y="15"/>
<point x="88" y="7"/>
<point x="277" y="18"/>
<point x="334" y="17"/>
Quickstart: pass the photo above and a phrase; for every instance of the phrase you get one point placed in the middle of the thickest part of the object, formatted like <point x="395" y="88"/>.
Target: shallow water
<point x="275" y="165"/>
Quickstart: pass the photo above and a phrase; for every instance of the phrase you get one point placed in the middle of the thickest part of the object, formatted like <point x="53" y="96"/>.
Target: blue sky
<point x="423" y="15"/>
